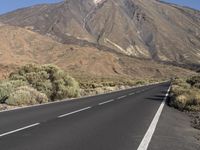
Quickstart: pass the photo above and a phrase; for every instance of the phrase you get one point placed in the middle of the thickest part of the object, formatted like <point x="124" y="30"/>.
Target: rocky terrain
<point x="140" y="28"/>
<point x="19" y="46"/>
<point x="195" y="120"/>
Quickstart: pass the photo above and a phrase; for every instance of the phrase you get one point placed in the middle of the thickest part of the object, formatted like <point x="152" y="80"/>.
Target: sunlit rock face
<point x="97" y="1"/>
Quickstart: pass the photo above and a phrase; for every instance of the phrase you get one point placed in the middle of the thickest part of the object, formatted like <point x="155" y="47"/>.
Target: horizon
<point x="12" y="5"/>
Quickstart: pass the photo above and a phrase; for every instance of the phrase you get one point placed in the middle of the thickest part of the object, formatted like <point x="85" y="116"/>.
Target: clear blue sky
<point x="190" y="3"/>
<point x="9" y="5"/>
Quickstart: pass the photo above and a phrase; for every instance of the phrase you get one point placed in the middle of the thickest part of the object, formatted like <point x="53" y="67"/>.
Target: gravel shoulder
<point x="195" y="120"/>
<point x="7" y="107"/>
<point x="174" y="132"/>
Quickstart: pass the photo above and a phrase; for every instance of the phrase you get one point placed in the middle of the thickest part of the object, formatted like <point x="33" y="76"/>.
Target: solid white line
<point x="7" y="133"/>
<point x="121" y="97"/>
<point x="147" y="138"/>
<point x="64" y="115"/>
<point x="106" y="102"/>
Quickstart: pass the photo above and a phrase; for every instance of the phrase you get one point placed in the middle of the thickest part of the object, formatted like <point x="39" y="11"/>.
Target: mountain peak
<point x="140" y="28"/>
<point x="97" y="1"/>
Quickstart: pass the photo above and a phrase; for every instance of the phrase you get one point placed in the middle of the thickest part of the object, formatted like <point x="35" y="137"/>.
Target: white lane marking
<point x="17" y="130"/>
<point x="106" y="102"/>
<point x="65" y="100"/>
<point x="64" y="115"/>
<point x="147" y="138"/>
<point x="122" y="97"/>
<point x="131" y="94"/>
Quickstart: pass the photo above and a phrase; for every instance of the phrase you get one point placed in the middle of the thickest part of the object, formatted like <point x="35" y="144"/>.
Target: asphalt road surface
<point x="123" y="120"/>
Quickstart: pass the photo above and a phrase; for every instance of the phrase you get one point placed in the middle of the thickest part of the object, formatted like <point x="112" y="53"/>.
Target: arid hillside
<point x="139" y="28"/>
<point x="20" y="46"/>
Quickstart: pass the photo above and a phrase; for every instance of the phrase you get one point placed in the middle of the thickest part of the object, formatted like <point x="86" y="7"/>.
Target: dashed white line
<point x="20" y="129"/>
<point x="122" y="97"/>
<point x="147" y="138"/>
<point x="64" y="115"/>
<point x="106" y="102"/>
<point x="131" y="94"/>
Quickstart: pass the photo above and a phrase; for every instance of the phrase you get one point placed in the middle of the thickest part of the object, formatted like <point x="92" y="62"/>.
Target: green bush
<point x="26" y="96"/>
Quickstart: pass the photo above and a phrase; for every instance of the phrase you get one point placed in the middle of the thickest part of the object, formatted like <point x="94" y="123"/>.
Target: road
<point x="123" y="120"/>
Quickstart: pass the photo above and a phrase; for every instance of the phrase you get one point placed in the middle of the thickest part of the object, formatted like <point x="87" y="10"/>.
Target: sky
<point x="190" y="3"/>
<point x="10" y="5"/>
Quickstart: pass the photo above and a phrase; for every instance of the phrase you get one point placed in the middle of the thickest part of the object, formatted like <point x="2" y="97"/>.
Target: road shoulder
<point x="174" y="132"/>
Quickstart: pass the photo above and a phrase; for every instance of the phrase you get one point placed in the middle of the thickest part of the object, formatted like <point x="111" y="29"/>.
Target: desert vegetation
<point x="35" y="84"/>
<point x="185" y="93"/>
<point x="91" y="85"/>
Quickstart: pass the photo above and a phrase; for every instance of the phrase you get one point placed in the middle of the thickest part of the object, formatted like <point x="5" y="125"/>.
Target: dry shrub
<point x="7" y="87"/>
<point x="193" y="80"/>
<point x="48" y="79"/>
<point x="26" y="96"/>
<point x="197" y="85"/>
<point x="184" y="96"/>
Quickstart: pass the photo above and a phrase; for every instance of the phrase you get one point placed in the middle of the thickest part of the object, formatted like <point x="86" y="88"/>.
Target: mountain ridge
<point x="19" y="46"/>
<point x="139" y="28"/>
<point x="131" y="33"/>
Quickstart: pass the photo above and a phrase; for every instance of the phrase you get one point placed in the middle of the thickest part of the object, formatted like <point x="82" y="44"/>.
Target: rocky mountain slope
<point x="139" y="28"/>
<point x="19" y="46"/>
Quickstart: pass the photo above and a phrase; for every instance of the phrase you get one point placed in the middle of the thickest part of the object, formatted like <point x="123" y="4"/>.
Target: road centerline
<point x="106" y="102"/>
<point x="20" y="129"/>
<point x="149" y="134"/>
<point x="73" y="112"/>
<point x="122" y="97"/>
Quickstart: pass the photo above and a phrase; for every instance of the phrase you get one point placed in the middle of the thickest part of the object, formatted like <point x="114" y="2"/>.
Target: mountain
<point x="19" y="46"/>
<point x="139" y="28"/>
